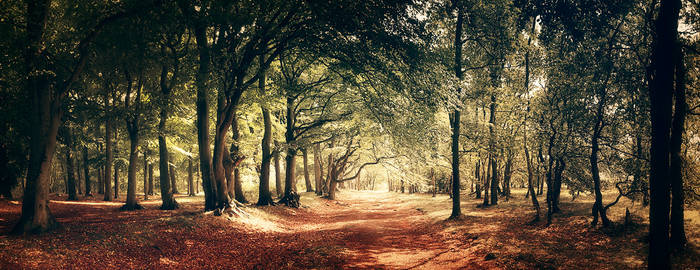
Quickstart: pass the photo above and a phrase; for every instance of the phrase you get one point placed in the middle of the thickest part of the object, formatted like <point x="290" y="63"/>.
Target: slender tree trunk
<point x="150" y="179"/>
<point x="145" y="175"/>
<point x="307" y="178"/>
<point x="278" y="173"/>
<point x="108" y="148"/>
<point x="70" y="167"/>
<point x="88" y="191"/>
<point x="598" y="208"/>
<point x="116" y="182"/>
<point x="477" y="179"/>
<point x="492" y="151"/>
<point x="456" y="118"/>
<point x="190" y="178"/>
<point x="173" y="176"/>
<point x="678" y="238"/>
<point x="317" y="169"/>
<point x="487" y="181"/>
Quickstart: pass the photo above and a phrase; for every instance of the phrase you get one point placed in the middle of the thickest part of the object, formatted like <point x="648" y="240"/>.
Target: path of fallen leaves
<point x="361" y="230"/>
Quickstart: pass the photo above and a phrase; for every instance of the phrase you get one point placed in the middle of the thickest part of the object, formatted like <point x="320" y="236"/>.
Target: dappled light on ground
<point x="365" y="230"/>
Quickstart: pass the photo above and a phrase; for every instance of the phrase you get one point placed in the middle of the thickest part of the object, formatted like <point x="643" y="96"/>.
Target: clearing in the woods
<point x="360" y="230"/>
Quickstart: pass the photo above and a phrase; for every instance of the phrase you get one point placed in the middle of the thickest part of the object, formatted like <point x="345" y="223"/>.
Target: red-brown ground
<point x="360" y="230"/>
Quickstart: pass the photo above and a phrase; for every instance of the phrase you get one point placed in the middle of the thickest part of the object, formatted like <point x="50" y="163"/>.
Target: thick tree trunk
<point x="290" y="198"/>
<point x="307" y="178"/>
<point x="264" y="194"/>
<point x="131" y="200"/>
<point x="205" y="163"/>
<point x="88" y="187"/>
<point x="456" y="118"/>
<point x="166" y="195"/>
<point x="660" y="95"/>
<point x="678" y="238"/>
<point x="237" y="186"/>
<point x="45" y="120"/>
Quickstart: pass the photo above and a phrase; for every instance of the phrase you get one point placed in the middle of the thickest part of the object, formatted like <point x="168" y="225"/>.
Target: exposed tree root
<point x="291" y="200"/>
<point x="127" y="207"/>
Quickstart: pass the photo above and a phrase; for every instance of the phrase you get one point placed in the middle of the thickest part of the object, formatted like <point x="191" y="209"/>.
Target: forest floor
<point x="361" y="230"/>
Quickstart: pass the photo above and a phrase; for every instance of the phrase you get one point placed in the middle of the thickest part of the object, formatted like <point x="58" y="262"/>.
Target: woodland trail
<point x="359" y="230"/>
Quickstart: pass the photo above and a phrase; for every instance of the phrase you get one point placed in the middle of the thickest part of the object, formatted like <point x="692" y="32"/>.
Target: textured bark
<point x="278" y="171"/>
<point x="678" y="238"/>
<point x="598" y="208"/>
<point x="150" y="179"/>
<point x="205" y="164"/>
<point x="290" y="198"/>
<point x="264" y="194"/>
<point x="237" y="186"/>
<point x="173" y="177"/>
<point x="145" y="175"/>
<point x="456" y="207"/>
<point x="190" y="178"/>
<point x="492" y="151"/>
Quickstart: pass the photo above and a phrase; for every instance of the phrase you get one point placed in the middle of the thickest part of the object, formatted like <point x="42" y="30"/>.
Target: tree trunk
<point x="190" y="178"/>
<point x="173" y="177"/>
<point x="487" y="181"/>
<point x="202" y="77"/>
<point x="131" y="200"/>
<point x="264" y="194"/>
<point x="278" y="173"/>
<point x="492" y="151"/>
<point x="317" y="169"/>
<point x="145" y="175"/>
<point x="88" y="191"/>
<point x="150" y="179"/>
<point x="237" y="186"/>
<point x="598" y="208"/>
<point x="678" y="238"/>
<point x="290" y="198"/>
<point x="70" y="167"/>
<point x="477" y="179"/>
<point x="456" y="205"/>
<point x="108" y="148"/>
<point x="45" y="120"/>
<point x="307" y="178"/>
<point x="660" y="96"/>
<point x="116" y="182"/>
<point x="166" y="195"/>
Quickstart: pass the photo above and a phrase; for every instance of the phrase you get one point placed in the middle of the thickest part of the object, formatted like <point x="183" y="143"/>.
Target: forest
<point x="373" y="134"/>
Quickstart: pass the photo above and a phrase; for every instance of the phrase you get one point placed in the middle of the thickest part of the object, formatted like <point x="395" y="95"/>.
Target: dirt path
<point x="360" y="230"/>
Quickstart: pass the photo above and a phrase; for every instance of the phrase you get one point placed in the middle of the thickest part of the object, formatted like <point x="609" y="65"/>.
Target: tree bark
<point x="678" y="238"/>
<point x="237" y="185"/>
<point x="264" y="194"/>
<point x="70" y="167"/>
<point x="190" y="178"/>
<point x="108" y="148"/>
<point x="492" y="151"/>
<point x="307" y="178"/>
<point x="278" y="173"/>
<point x="88" y="191"/>
<point x="205" y="164"/>
<point x="456" y="206"/>
<point x="317" y="169"/>
<point x="660" y="96"/>
<point x="598" y="208"/>
<point x="145" y="175"/>
<point x="166" y="195"/>
<point x="150" y="179"/>
<point x="290" y="198"/>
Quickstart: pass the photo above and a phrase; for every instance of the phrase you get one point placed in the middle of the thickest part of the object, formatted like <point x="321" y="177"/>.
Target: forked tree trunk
<point x="598" y="209"/>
